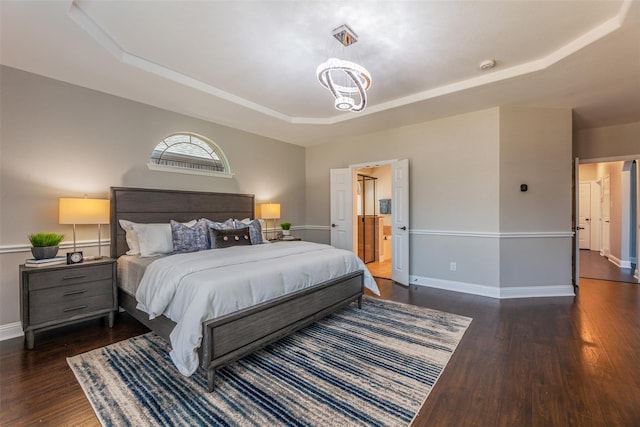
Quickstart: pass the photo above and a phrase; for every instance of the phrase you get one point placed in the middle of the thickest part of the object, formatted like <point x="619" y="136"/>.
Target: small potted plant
<point x="286" y="226"/>
<point x="45" y="245"/>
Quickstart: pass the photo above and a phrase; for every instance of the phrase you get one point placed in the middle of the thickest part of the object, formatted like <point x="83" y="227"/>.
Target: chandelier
<point x="348" y="82"/>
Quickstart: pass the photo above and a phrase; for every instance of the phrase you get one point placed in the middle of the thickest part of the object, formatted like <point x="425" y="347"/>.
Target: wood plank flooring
<point x="595" y="266"/>
<point x="568" y="361"/>
<point x="380" y="269"/>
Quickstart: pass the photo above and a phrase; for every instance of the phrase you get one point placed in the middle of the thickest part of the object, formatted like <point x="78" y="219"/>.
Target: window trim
<point x="194" y="171"/>
<point x="176" y="169"/>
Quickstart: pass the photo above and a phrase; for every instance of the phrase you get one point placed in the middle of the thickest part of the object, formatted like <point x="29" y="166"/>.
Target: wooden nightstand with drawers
<point x="63" y="294"/>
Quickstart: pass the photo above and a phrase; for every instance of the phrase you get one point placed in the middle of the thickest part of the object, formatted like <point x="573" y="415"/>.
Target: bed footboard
<point x="236" y="335"/>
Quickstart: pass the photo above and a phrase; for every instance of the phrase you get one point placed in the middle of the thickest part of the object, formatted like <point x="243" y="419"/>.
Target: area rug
<point x="373" y="366"/>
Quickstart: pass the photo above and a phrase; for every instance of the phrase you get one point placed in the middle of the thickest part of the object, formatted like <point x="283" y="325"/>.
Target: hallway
<point x="595" y="266"/>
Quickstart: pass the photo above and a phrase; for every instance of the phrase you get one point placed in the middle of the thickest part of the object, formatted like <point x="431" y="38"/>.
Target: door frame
<point x="575" y="243"/>
<point x="624" y="158"/>
<point x="605" y="217"/>
<point x="584" y="228"/>
<point x="400" y="273"/>
<point x="594" y="213"/>
<point x="595" y="216"/>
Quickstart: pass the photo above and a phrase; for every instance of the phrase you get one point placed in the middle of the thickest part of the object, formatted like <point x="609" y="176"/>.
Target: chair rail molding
<point x="7" y="249"/>
<point x="468" y="233"/>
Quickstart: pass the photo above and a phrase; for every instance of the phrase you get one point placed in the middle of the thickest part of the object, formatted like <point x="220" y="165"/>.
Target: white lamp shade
<point x="84" y="211"/>
<point x="270" y="210"/>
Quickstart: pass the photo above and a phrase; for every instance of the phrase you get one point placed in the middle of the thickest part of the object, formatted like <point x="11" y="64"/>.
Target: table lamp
<point x="83" y="211"/>
<point x="270" y="211"/>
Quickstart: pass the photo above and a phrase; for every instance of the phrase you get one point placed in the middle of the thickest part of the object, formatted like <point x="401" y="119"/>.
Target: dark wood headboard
<point x="147" y="205"/>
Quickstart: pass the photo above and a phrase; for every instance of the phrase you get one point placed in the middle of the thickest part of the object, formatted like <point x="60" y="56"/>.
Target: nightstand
<point x="63" y="294"/>
<point x="280" y="239"/>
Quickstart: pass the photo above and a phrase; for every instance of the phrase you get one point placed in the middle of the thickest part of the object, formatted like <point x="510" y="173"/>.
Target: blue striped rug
<point x="370" y="367"/>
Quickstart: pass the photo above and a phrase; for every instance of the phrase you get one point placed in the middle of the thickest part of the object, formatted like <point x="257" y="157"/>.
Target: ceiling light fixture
<point x="357" y="79"/>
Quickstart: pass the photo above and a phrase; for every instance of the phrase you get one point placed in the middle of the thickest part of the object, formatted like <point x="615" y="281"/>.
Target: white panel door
<point x="595" y="216"/>
<point x="605" y="209"/>
<point x="341" y="209"/>
<point x="584" y="218"/>
<point x="400" y="221"/>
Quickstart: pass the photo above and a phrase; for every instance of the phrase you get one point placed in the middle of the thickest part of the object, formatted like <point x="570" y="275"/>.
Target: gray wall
<point x="535" y="149"/>
<point x="454" y="179"/>
<point x="466" y="204"/>
<point x="608" y="142"/>
<point x="60" y="140"/>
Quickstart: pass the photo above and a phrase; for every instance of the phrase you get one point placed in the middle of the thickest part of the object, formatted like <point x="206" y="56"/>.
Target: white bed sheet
<point x="194" y="287"/>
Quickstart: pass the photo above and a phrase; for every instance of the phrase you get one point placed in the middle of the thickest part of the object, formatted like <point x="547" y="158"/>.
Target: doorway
<point x="343" y="202"/>
<point x="373" y="218"/>
<point x="608" y="220"/>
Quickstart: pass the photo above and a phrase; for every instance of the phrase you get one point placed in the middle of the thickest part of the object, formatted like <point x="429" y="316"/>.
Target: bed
<point x="234" y="335"/>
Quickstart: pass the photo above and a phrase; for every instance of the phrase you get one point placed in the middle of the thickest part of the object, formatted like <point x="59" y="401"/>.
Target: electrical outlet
<point x="452" y="266"/>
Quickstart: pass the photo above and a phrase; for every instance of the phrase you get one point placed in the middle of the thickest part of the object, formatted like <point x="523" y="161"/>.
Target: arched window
<point x="189" y="153"/>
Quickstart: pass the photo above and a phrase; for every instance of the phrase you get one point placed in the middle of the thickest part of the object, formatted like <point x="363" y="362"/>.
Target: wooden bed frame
<point x="233" y="336"/>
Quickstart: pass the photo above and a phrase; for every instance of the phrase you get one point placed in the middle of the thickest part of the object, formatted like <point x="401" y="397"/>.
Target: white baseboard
<point x="494" y="292"/>
<point x="537" y="291"/>
<point x="11" y="330"/>
<point x="450" y="285"/>
<point x="618" y="262"/>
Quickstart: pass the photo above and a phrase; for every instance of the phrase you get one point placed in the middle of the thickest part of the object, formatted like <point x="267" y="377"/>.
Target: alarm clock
<point x="74" y="257"/>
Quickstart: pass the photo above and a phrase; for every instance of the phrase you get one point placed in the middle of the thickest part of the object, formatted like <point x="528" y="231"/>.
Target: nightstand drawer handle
<point x="80" y="291"/>
<point x="74" y="277"/>
<point x="80" y="307"/>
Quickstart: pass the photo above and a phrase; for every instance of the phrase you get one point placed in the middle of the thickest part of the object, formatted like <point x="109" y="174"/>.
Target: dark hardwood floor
<point x="595" y="266"/>
<point x="568" y="361"/>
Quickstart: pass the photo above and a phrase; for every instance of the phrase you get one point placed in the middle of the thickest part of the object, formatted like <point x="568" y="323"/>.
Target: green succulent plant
<point x="285" y="225"/>
<point x="39" y="240"/>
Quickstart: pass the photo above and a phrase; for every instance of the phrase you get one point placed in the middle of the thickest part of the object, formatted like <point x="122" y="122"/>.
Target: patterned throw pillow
<point x="227" y="238"/>
<point x="189" y="239"/>
<point x="227" y="225"/>
<point x="255" y="229"/>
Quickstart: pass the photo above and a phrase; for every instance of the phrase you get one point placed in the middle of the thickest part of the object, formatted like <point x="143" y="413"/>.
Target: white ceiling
<point x="251" y="64"/>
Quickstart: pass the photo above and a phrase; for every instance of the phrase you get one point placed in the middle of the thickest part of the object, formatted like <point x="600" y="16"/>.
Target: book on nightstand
<point x="45" y="262"/>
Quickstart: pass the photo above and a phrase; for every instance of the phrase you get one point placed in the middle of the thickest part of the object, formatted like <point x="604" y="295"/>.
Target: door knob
<point x="402" y="228"/>
<point x="333" y="225"/>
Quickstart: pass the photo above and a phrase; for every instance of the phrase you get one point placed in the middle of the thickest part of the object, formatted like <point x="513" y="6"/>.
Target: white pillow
<point x="150" y="239"/>
<point x="132" y="238"/>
